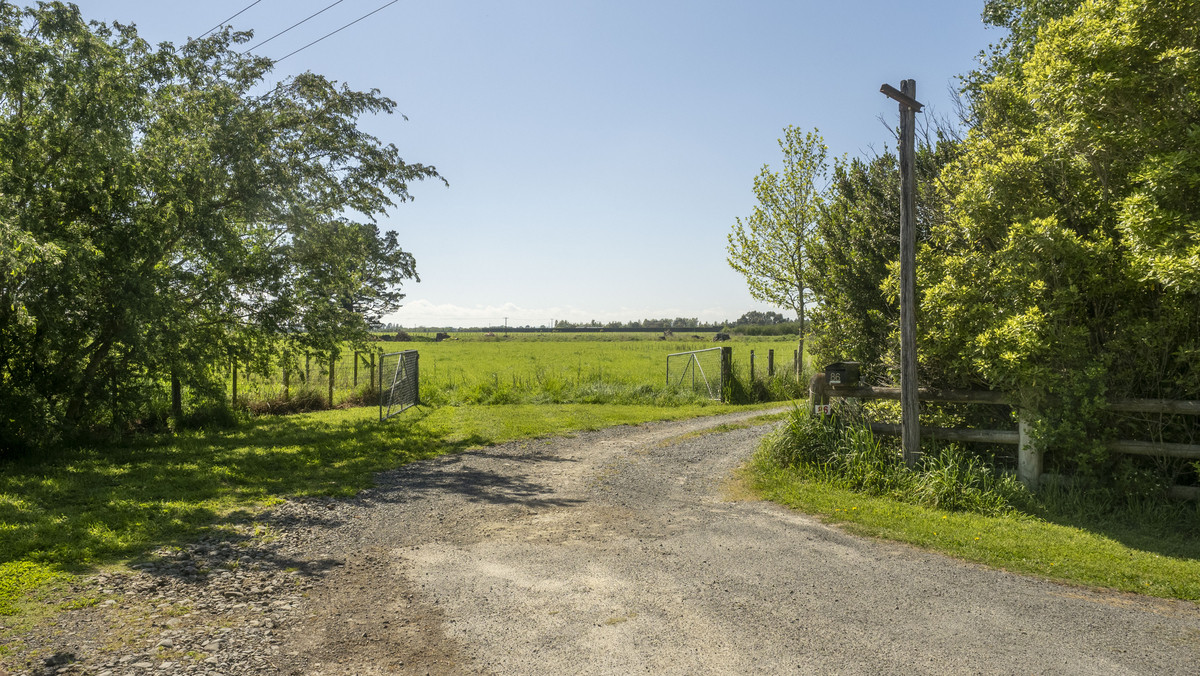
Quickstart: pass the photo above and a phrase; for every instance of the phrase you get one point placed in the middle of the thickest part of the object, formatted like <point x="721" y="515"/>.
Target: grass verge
<point x="77" y="509"/>
<point x="1055" y="534"/>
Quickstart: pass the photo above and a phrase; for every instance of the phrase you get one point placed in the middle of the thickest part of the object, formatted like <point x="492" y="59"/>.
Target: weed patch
<point x="17" y="578"/>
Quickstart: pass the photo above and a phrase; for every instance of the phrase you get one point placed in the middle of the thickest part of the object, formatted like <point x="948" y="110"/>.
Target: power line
<point x="332" y="33"/>
<point x="230" y="18"/>
<point x="292" y="26"/>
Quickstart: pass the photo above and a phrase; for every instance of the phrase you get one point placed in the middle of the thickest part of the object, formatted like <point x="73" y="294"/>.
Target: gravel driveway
<point x="628" y="550"/>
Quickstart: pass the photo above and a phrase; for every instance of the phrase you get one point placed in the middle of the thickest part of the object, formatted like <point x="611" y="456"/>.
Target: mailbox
<point x="842" y="374"/>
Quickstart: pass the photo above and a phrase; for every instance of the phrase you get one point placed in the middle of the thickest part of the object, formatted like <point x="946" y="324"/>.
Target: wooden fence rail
<point x="1029" y="457"/>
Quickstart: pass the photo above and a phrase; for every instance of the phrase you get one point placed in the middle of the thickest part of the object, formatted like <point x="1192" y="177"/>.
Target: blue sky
<point x="597" y="152"/>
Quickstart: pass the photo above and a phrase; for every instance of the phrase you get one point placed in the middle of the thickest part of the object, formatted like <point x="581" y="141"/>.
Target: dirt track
<point x="632" y="551"/>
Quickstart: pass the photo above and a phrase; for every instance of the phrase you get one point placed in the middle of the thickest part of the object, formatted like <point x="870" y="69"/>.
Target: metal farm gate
<point x="399" y="383"/>
<point x="704" y="371"/>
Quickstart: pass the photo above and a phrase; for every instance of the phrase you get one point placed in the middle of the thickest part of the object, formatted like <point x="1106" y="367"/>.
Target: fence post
<point x="333" y="356"/>
<point x="306" y="373"/>
<point x="752" y="366"/>
<point x="356" y="369"/>
<point x="1029" y="456"/>
<point x="770" y="363"/>
<point x="817" y="399"/>
<point x="726" y="372"/>
<point x="796" y="364"/>
<point x="287" y="377"/>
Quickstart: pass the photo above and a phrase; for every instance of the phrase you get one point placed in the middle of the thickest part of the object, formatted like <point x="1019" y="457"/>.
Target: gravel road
<point x="628" y="550"/>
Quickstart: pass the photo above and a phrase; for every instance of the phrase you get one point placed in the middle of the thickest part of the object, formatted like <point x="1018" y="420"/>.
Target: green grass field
<point x="573" y="368"/>
<point x="535" y="368"/>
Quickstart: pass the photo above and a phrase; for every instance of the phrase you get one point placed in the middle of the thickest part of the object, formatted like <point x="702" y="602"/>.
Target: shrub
<point x="846" y="454"/>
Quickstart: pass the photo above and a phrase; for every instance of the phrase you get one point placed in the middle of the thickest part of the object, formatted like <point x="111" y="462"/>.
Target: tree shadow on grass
<point x="80" y="507"/>
<point x="1160" y="526"/>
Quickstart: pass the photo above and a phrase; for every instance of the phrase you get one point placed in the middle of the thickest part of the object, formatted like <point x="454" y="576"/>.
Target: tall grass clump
<point x="844" y="453"/>
<point x="779" y="387"/>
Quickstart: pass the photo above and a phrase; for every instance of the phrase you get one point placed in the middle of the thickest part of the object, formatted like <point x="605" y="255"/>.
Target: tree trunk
<point x="800" y="354"/>
<point x="99" y="352"/>
<point x="176" y="397"/>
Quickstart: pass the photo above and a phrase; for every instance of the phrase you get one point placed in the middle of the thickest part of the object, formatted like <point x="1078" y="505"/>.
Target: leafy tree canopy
<point x="1069" y="271"/>
<point x="756" y="318"/>
<point x="162" y="211"/>
<point x="855" y="252"/>
<point x="770" y="247"/>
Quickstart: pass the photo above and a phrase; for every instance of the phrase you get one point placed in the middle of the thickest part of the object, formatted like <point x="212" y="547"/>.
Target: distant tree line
<point x="771" y="323"/>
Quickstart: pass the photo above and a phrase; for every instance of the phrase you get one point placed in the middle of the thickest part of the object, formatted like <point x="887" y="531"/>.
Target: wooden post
<point x="909" y="404"/>
<point x="726" y="372"/>
<point x="752" y="366"/>
<point x="796" y="364"/>
<point x="817" y="398"/>
<point x="356" y="369"/>
<point x="1029" y="456"/>
<point x="770" y="363"/>
<point x="333" y="356"/>
<point x="306" y="376"/>
<point x="287" y="376"/>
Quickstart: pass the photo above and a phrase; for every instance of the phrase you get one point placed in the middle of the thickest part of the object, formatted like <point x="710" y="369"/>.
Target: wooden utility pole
<point x="910" y="423"/>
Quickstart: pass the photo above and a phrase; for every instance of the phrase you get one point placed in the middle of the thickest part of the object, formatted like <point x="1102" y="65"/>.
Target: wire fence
<point x="350" y="377"/>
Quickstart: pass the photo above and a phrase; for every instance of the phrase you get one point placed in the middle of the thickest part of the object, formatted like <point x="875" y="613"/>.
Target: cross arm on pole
<point x="904" y="99"/>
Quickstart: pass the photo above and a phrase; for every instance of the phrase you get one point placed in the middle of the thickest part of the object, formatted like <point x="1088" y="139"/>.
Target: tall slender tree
<point x="771" y="246"/>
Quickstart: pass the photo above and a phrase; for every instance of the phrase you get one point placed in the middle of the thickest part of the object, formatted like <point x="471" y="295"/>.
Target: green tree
<point x="756" y="318"/>
<point x="1068" y="273"/>
<point x="771" y="246"/>
<point x="855" y="252"/>
<point x="1021" y="20"/>
<point x="166" y="214"/>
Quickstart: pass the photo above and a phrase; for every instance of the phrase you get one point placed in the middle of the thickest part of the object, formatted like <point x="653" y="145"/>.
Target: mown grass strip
<point x="1022" y="544"/>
